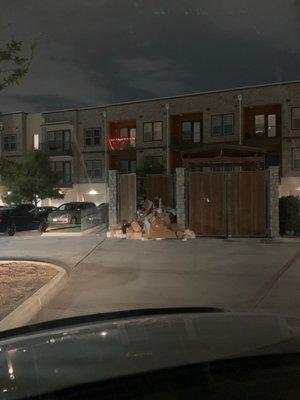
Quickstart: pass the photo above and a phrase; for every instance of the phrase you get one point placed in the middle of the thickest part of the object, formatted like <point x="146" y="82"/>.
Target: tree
<point x="14" y="64"/>
<point x="29" y="179"/>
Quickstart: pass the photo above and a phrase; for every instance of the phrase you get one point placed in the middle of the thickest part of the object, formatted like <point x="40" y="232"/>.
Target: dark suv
<point x="21" y="217"/>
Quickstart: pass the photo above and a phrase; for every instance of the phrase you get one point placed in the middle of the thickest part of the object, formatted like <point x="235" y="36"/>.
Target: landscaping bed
<point x="19" y="280"/>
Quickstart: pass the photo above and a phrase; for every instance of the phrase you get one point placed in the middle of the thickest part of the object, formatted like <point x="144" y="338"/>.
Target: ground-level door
<point x="228" y="203"/>
<point x="127" y="197"/>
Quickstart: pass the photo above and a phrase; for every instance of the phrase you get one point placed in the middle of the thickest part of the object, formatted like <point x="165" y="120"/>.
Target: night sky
<point x="94" y="52"/>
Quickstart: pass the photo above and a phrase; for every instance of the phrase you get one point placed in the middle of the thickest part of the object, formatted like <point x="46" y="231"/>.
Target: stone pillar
<point x="113" y="198"/>
<point x="181" y="196"/>
<point x="273" y="197"/>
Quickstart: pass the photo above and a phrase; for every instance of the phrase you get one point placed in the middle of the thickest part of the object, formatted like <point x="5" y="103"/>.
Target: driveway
<point x="110" y="275"/>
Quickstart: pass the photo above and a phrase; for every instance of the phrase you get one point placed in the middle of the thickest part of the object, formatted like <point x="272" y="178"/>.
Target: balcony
<point x="57" y="148"/>
<point x="121" y="143"/>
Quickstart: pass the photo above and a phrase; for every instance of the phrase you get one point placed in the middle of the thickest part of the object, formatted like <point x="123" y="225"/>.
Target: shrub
<point x="289" y="215"/>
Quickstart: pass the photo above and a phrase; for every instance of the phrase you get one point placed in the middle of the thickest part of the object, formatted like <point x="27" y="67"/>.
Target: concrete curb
<point x="31" y="306"/>
<point x="60" y="232"/>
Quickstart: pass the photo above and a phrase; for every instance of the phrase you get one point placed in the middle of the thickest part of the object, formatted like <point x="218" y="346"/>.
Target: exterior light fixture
<point x="93" y="191"/>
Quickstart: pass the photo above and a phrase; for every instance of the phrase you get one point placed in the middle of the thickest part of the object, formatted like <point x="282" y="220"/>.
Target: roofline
<point x="16" y="112"/>
<point x="176" y="96"/>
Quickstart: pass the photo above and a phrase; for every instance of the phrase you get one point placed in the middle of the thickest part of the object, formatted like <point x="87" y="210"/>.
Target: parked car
<point x="68" y="213"/>
<point x="21" y="217"/>
<point x="103" y="208"/>
<point x="43" y="211"/>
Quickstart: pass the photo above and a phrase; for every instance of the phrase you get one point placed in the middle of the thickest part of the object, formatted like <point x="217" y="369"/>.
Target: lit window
<point x="260" y="124"/>
<point x="191" y="131"/>
<point x="36" y="141"/>
<point x="272" y="125"/>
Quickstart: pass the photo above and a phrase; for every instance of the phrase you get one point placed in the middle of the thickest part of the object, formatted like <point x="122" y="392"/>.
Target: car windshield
<point x="68" y="207"/>
<point x="149" y="161"/>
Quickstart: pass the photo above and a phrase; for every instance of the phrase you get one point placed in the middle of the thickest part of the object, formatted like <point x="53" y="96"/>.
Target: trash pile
<point x="153" y="221"/>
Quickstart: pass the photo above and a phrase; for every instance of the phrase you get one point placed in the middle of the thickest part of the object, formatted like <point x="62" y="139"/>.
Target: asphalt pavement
<point x="110" y="274"/>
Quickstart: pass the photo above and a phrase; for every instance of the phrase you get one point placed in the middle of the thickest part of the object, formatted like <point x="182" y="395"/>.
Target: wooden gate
<point x="228" y="203"/>
<point x="160" y="186"/>
<point x="127" y="197"/>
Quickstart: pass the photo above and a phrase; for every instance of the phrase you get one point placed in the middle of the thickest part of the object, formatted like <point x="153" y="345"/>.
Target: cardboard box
<point x="134" y="235"/>
<point x="163" y="234"/>
<point x="136" y="226"/>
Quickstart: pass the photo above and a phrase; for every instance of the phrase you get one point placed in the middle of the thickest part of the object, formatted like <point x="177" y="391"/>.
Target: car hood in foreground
<point x="42" y="360"/>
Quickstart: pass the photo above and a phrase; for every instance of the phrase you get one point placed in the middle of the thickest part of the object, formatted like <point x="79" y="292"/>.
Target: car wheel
<point x="11" y="229"/>
<point x="43" y="226"/>
<point x="73" y="221"/>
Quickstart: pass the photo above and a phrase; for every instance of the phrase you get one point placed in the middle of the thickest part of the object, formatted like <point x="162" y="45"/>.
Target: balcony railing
<point x="56" y="148"/>
<point x="121" y="143"/>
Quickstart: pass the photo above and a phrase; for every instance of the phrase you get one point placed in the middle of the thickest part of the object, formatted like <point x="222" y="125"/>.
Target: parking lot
<point x="108" y="274"/>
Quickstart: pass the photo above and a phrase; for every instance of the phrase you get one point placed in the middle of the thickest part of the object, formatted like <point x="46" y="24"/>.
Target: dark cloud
<point x="102" y="51"/>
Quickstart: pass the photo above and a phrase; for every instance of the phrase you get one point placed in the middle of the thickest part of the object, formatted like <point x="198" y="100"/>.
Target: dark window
<point x="222" y="125"/>
<point x="296" y="118"/>
<point x="272" y="159"/>
<point x="153" y="131"/>
<point x="10" y="143"/>
<point x="93" y="168"/>
<point x="127" y="166"/>
<point x="191" y="131"/>
<point x="59" y="140"/>
<point x="265" y="124"/>
<point x="296" y="158"/>
<point x="64" y="170"/>
<point x="154" y="160"/>
<point x="92" y="137"/>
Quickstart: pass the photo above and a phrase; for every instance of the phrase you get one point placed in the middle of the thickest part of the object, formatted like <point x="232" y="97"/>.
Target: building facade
<point x="82" y="144"/>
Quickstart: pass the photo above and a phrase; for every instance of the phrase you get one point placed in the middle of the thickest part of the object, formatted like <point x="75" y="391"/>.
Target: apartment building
<point x="82" y="144"/>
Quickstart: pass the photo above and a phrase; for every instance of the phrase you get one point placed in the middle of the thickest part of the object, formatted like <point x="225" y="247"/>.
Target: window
<point x="265" y="124"/>
<point x="296" y="158"/>
<point x="92" y="137"/>
<point x="153" y="131"/>
<point x="93" y="168"/>
<point x="153" y="160"/>
<point x="191" y="131"/>
<point x="222" y="125"/>
<point x="124" y="132"/>
<point x="127" y="166"/>
<point x="36" y="141"/>
<point x="59" y="140"/>
<point x="259" y="124"/>
<point x="64" y="170"/>
<point x="10" y="143"/>
<point x="296" y="118"/>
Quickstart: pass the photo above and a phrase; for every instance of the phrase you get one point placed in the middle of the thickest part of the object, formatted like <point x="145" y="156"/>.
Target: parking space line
<point x="269" y="285"/>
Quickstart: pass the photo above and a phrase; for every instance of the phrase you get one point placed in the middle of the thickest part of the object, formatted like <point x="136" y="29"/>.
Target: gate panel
<point x="247" y="203"/>
<point x="207" y="203"/>
<point x="127" y="197"/>
<point x="160" y="186"/>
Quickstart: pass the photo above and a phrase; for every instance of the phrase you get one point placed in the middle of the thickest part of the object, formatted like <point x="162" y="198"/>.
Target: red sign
<point x="121" y="143"/>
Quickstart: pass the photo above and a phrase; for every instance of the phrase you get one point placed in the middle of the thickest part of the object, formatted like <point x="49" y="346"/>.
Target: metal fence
<point x="95" y="216"/>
